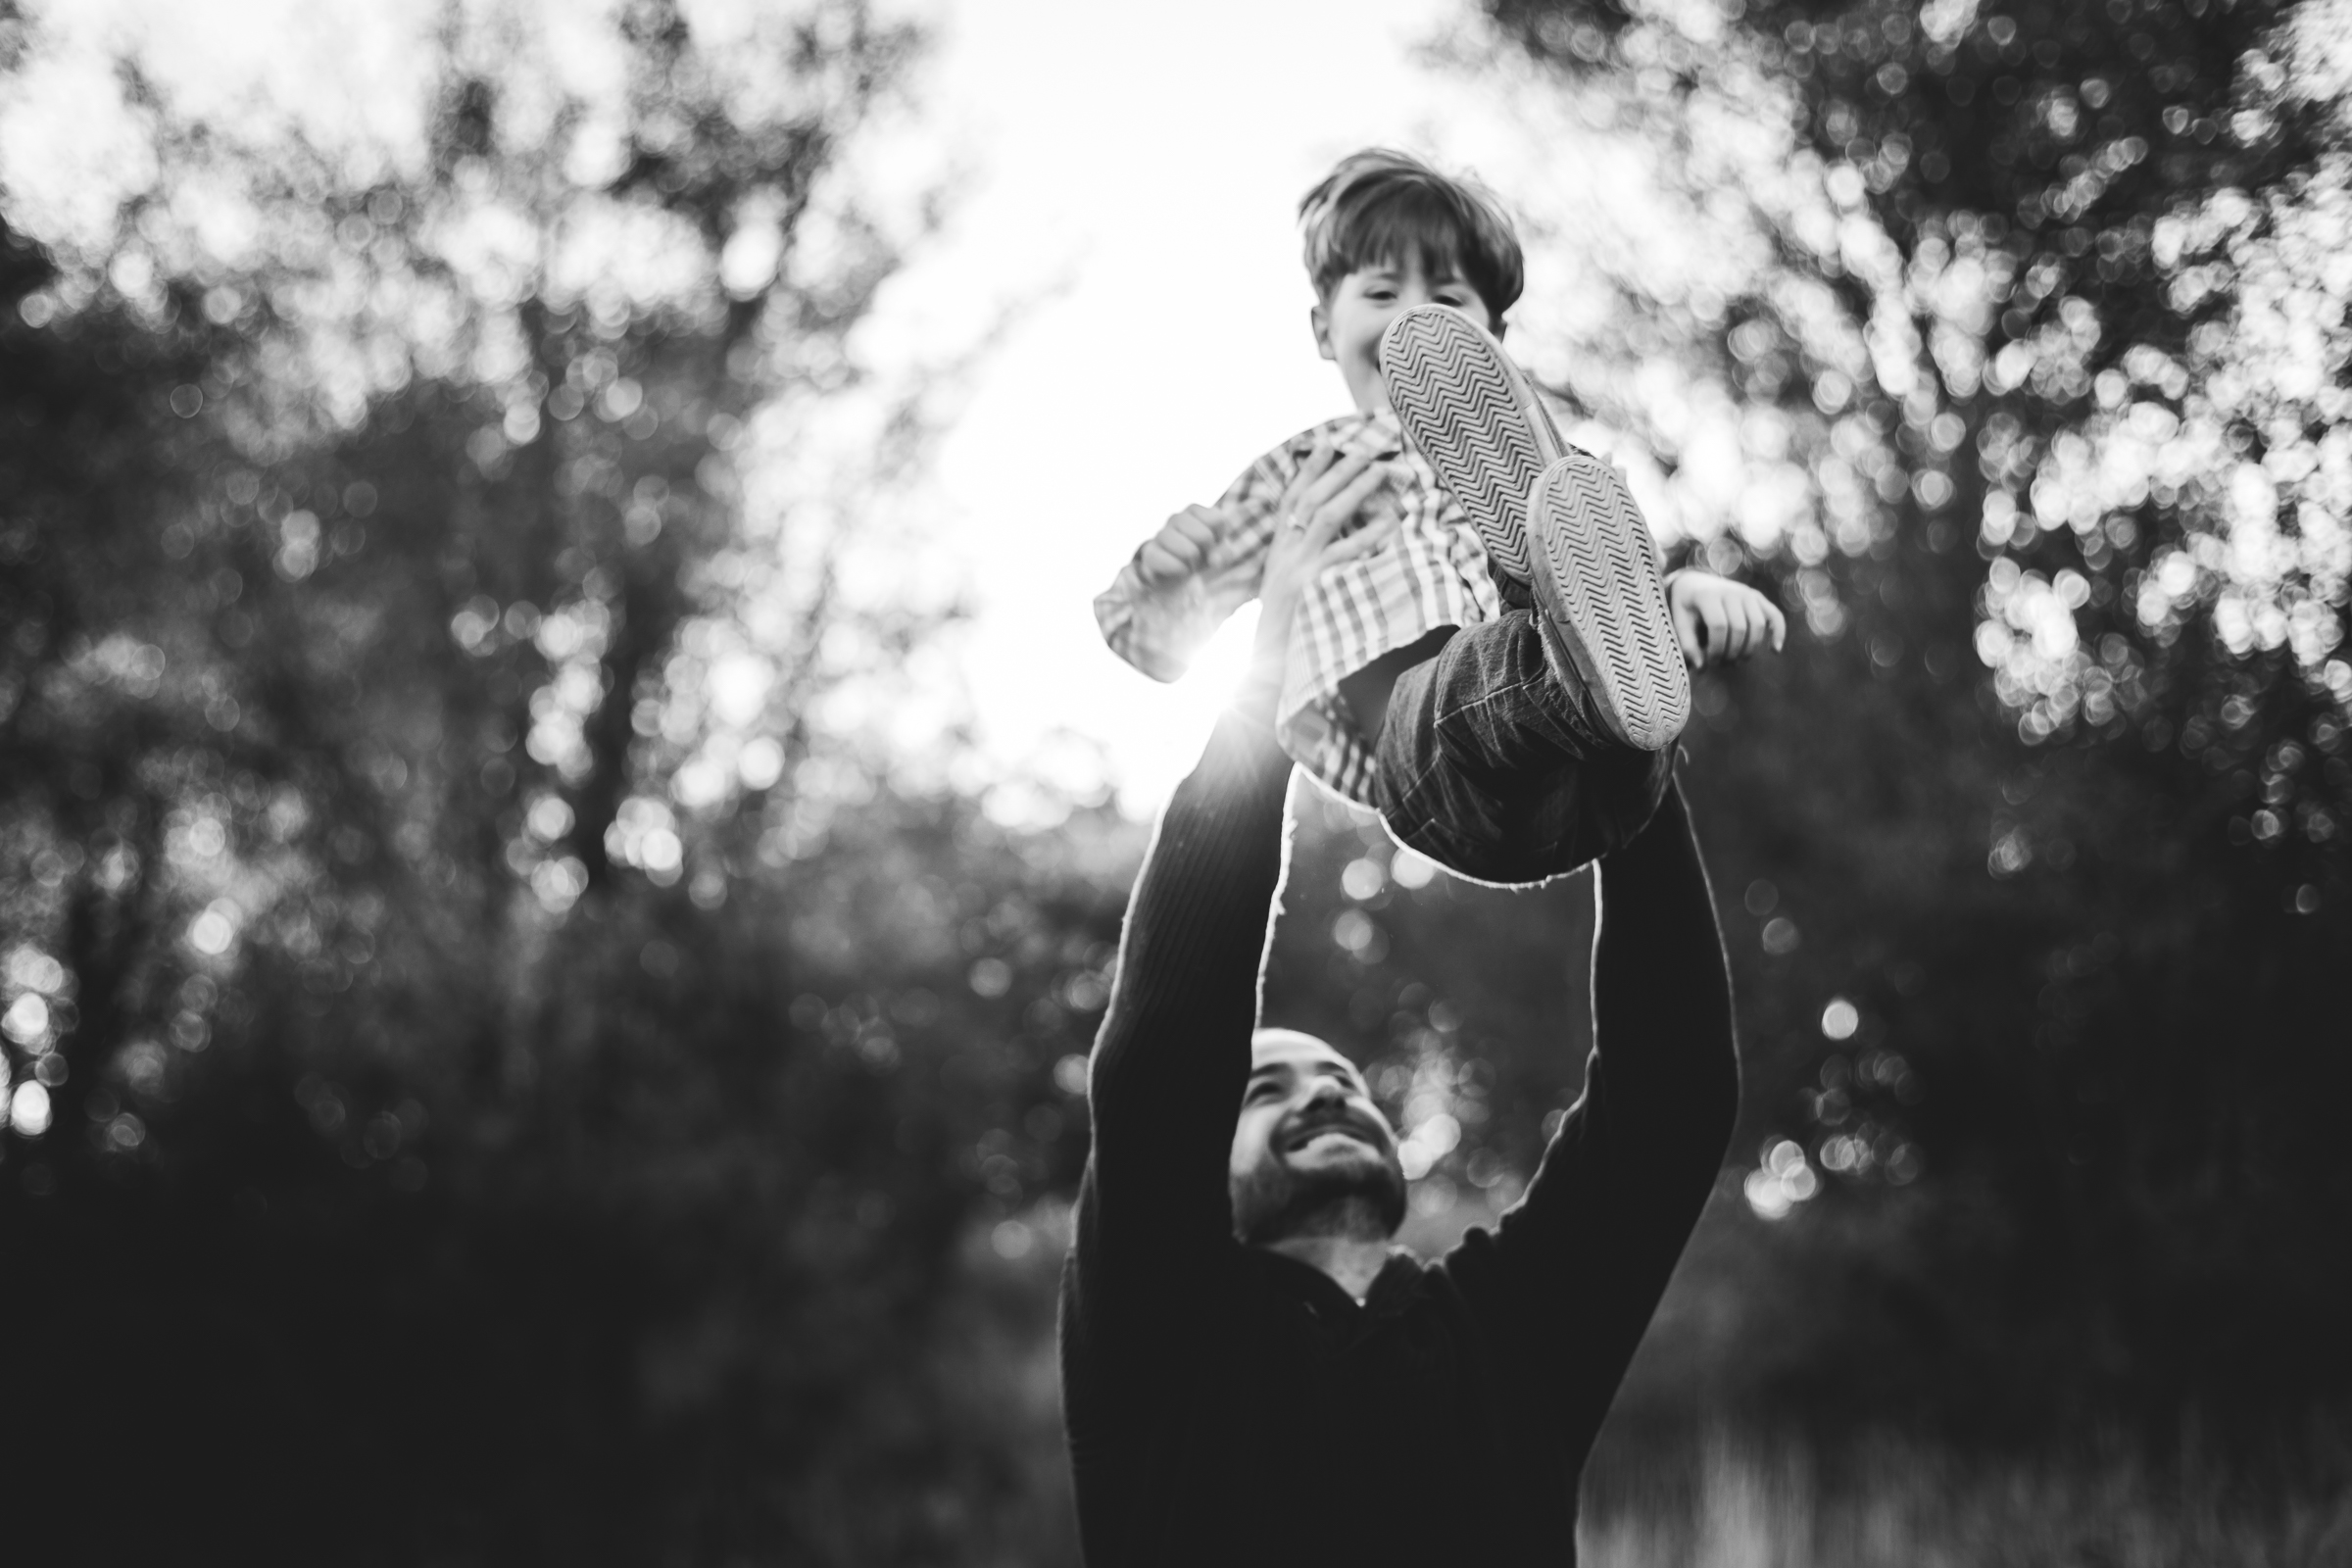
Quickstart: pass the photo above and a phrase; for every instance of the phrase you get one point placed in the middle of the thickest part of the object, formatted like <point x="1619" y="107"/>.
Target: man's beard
<point x="1275" y="1202"/>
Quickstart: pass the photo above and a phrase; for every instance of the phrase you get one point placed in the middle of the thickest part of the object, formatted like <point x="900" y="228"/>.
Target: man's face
<point x="1349" y="322"/>
<point x="1308" y="1136"/>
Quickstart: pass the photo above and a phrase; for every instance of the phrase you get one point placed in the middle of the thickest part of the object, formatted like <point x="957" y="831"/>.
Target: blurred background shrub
<point x="505" y="1062"/>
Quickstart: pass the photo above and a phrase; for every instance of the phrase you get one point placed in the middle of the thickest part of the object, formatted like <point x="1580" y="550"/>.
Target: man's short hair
<point x="1379" y="206"/>
<point x="1264" y="1039"/>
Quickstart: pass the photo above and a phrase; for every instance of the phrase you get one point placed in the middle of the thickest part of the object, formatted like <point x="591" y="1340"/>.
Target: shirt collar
<point x="1324" y="1294"/>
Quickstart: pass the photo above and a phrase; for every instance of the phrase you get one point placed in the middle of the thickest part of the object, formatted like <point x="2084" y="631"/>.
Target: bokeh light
<point x="1781" y="1181"/>
<point x="28" y="1109"/>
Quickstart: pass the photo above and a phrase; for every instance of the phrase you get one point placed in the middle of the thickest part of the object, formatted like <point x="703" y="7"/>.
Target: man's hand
<point x="1327" y="496"/>
<point x="1181" y="547"/>
<point x="1719" y="621"/>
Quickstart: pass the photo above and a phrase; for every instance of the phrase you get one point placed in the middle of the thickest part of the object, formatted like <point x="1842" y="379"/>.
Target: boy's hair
<point x="1379" y="206"/>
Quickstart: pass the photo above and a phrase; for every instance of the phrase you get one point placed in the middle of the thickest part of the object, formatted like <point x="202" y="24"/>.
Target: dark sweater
<point x="1228" y="1405"/>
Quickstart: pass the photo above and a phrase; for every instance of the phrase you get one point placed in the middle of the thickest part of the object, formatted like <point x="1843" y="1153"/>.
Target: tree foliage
<point x="495" y="1069"/>
<point x="2024" y="330"/>
<point x="500" y="1063"/>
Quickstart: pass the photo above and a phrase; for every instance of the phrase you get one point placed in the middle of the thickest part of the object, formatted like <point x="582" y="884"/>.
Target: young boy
<point x="1486" y="655"/>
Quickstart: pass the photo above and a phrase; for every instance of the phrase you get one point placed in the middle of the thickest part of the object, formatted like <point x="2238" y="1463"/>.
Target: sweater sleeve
<point x="1154" y="1215"/>
<point x="1578" y="1266"/>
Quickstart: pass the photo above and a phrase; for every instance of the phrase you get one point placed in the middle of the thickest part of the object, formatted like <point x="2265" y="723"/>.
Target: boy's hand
<point x="1180" y="548"/>
<point x="1719" y="621"/>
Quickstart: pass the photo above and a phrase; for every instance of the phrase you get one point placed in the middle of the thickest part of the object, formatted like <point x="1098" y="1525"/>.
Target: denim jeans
<point x="1489" y="765"/>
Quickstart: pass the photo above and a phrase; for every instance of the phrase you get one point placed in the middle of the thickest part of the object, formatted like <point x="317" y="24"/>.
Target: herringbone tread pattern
<point x="1473" y="417"/>
<point x="1603" y="598"/>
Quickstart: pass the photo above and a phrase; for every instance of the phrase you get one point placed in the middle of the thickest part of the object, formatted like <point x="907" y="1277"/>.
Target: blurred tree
<point x="497" y="1067"/>
<point x="2060" y="282"/>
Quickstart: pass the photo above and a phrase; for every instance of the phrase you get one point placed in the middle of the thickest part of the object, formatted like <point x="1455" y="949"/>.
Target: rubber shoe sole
<point x="1476" y="417"/>
<point x="1603" y="604"/>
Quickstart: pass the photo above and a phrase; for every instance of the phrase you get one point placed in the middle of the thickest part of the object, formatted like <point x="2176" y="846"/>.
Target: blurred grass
<point x="1734" y="1499"/>
<point x="1677" y="1486"/>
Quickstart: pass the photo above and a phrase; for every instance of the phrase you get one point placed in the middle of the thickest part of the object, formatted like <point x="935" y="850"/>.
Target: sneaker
<point x="1476" y="417"/>
<point x="1551" y="516"/>
<point x="1601" y="604"/>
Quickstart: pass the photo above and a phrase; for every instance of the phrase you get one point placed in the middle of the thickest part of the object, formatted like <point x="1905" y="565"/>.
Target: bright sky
<point x="1132" y="171"/>
<point x="1151" y="159"/>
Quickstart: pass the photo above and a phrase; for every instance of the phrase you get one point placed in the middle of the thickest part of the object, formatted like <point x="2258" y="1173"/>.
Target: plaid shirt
<point x="1433" y="573"/>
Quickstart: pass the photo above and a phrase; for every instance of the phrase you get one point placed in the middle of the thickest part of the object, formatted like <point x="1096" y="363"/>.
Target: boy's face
<point x="1360" y="306"/>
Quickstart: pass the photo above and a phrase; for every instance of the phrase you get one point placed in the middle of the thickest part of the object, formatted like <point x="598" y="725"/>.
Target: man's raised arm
<point x="1174" y="1049"/>
<point x="1586" y="1255"/>
<point x="1153" y="1222"/>
<point x="1154" y="1212"/>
